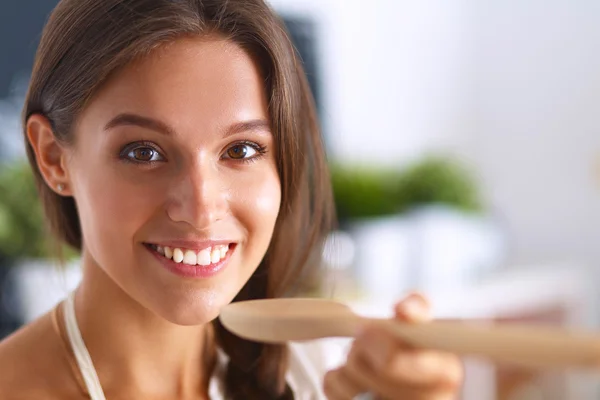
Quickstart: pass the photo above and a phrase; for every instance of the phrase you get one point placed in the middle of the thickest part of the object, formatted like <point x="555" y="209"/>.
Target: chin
<point x="197" y="308"/>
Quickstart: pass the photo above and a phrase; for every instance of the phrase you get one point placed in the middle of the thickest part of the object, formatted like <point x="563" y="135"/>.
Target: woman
<point x="175" y="144"/>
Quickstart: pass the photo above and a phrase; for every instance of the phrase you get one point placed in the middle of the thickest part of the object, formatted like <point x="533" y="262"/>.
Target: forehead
<point x="187" y="82"/>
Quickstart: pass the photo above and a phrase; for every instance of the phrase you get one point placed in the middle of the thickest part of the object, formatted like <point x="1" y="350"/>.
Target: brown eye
<point x="143" y="154"/>
<point x="240" y="151"/>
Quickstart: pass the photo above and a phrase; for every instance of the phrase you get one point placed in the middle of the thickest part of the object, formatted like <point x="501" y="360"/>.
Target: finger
<point x="339" y="385"/>
<point x="417" y="394"/>
<point x="390" y="364"/>
<point x="414" y="308"/>
<point x="377" y="346"/>
<point x="384" y="387"/>
<point x="359" y="371"/>
<point x="330" y="388"/>
<point x="425" y="369"/>
<point x="349" y="386"/>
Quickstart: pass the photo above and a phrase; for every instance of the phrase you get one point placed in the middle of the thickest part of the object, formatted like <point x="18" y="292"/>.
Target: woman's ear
<point x="50" y="154"/>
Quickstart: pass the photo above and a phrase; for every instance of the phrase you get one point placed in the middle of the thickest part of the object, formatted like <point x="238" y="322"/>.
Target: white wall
<point x="394" y="73"/>
<point x="537" y="129"/>
<point x="511" y="86"/>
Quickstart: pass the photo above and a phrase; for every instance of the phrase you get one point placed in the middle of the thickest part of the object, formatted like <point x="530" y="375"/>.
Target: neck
<point x="135" y="351"/>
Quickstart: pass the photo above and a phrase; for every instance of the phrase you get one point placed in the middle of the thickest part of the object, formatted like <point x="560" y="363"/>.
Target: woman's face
<point x="175" y="180"/>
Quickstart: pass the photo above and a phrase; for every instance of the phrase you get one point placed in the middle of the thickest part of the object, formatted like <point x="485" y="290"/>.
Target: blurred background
<point x="464" y="143"/>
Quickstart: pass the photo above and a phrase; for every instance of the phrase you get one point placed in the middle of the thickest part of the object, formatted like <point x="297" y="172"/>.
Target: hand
<point x="380" y="364"/>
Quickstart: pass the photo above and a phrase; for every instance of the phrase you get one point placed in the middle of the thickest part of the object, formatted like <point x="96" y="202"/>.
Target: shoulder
<point x="34" y="364"/>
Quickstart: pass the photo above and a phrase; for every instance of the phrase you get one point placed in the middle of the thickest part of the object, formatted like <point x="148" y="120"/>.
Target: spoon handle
<point x="524" y="345"/>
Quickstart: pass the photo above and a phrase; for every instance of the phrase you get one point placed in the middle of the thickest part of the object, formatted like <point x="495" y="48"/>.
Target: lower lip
<point x="193" y="271"/>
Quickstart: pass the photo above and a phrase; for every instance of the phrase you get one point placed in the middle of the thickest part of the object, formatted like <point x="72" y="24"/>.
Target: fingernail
<point x="416" y="309"/>
<point x="414" y="305"/>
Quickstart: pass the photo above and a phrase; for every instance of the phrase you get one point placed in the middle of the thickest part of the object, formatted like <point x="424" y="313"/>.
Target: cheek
<point x="112" y="208"/>
<point x="267" y="199"/>
<point x="257" y="203"/>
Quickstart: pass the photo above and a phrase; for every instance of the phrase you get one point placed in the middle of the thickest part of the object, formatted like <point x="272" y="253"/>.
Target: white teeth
<point x="177" y="255"/>
<point x="215" y="256"/>
<point x="204" y="257"/>
<point x="189" y="257"/>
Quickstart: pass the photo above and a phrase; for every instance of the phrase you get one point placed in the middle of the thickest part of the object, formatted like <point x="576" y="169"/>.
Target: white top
<point x="304" y="374"/>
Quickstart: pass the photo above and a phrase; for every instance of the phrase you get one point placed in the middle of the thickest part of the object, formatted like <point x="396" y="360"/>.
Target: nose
<point x="197" y="197"/>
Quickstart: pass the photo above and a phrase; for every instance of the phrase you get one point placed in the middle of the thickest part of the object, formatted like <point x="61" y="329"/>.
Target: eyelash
<point x="123" y="154"/>
<point x="260" y="151"/>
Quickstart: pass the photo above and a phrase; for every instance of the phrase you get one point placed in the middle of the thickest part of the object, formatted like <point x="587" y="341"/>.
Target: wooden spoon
<point x="283" y="320"/>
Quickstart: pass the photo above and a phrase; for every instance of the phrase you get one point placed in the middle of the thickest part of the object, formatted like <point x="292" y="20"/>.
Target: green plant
<point x="23" y="232"/>
<point x="362" y="192"/>
<point x="367" y="192"/>
<point x="437" y="180"/>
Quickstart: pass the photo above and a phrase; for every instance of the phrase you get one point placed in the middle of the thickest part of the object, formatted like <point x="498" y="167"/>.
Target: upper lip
<point x="195" y="245"/>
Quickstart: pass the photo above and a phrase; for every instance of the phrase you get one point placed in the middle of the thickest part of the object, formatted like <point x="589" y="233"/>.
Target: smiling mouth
<point x="204" y="257"/>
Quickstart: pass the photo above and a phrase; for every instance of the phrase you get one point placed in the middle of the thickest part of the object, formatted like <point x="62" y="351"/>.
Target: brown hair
<point x="85" y="41"/>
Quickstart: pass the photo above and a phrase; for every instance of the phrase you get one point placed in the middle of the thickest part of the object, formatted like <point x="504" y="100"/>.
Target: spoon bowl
<point x="284" y="320"/>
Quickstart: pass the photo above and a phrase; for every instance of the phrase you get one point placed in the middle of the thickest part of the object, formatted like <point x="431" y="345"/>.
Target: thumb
<point x="414" y="308"/>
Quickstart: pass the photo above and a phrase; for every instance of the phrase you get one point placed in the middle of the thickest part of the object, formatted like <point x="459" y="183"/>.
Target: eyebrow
<point x="128" y="119"/>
